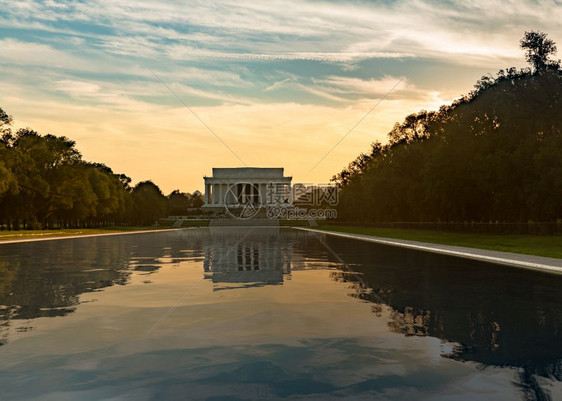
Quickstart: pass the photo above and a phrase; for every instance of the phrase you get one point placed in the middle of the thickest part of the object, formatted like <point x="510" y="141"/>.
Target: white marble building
<point x="247" y="185"/>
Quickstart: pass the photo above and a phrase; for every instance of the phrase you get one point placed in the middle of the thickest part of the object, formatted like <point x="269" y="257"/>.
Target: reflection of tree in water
<point x="499" y="316"/>
<point x="46" y="279"/>
<point x="43" y="280"/>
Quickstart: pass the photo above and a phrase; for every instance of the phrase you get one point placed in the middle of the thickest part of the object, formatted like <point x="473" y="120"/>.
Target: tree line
<point x="45" y="183"/>
<point x="494" y="155"/>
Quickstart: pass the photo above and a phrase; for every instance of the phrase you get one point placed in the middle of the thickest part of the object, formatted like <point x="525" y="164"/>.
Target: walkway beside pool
<point x="550" y="265"/>
<point x="17" y="241"/>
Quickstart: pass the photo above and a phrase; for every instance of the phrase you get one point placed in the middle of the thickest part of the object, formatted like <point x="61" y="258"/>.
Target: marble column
<point x="263" y="193"/>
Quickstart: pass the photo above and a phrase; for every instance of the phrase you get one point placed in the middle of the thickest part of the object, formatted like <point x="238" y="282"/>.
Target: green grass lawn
<point x="550" y="246"/>
<point x="29" y="234"/>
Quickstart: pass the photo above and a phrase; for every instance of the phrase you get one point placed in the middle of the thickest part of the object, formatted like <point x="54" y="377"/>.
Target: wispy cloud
<point x="282" y="71"/>
<point x="25" y="53"/>
<point x="369" y="87"/>
<point x="340" y="32"/>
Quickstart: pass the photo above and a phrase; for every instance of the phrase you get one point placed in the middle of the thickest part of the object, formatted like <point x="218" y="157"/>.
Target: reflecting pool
<point x="269" y="313"/>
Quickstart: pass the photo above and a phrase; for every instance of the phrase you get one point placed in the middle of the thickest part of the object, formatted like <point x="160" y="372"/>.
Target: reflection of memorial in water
<point x="47" y="279"/>
<point x="497" y="315"/>
<point x="251" y="258"/>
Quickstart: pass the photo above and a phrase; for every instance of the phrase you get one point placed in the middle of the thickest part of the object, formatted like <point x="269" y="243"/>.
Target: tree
<point x="5" y="122"/>
<point x="492" y="155"/>
<point x="197" y="200"/>
<point x="178" y="202"/>
<point x="7" y="178"/>
<point x="537" y="49"/>
<point x="44" y="182"/>
<point x="149" y="203"/>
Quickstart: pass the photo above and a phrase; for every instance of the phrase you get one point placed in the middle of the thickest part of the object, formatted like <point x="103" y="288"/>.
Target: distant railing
<point x="528" y="228"/>
<point x="195" y="218"/>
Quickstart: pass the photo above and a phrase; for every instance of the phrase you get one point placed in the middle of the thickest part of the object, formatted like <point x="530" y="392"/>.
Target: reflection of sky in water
<point x="269" y="314"/>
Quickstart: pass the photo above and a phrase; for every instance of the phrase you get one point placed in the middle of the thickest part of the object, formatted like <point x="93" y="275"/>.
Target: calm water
<point x="253" y="314"/>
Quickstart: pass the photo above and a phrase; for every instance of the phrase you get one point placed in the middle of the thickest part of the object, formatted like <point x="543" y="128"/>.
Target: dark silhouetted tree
<point x="149" y="203"/>
<point x="537" y="49"/>
<point x="45" y="183"/>
<point x="489" y="156"/>
<point x="178" y="203"/>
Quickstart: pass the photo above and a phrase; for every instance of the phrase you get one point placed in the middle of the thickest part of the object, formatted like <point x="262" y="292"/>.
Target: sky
<point x="168" y="90"/>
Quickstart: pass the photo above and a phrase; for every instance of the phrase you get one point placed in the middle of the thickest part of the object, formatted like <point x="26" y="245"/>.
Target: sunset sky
<point x="280" y="82"/>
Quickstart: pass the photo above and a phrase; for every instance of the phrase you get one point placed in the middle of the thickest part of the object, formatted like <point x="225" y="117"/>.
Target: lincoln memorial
<point x="247" y="185"/>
